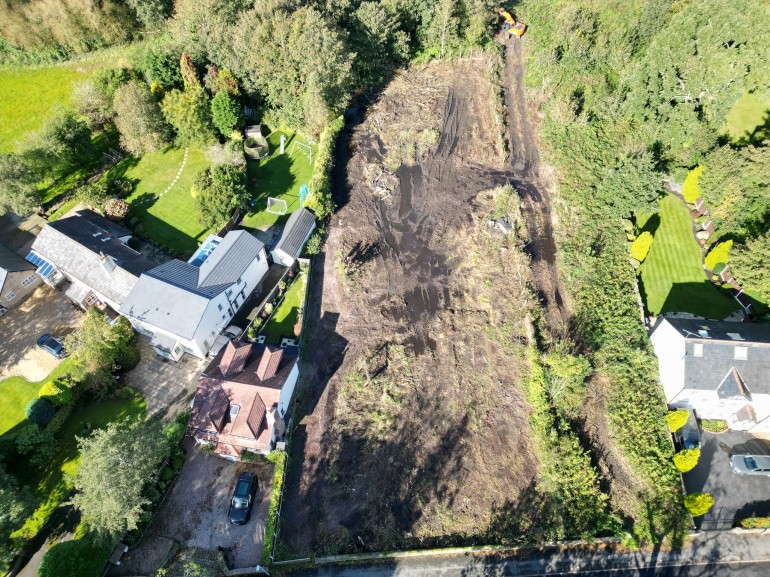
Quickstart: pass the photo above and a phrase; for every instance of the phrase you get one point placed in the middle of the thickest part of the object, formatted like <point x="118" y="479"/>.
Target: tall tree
<point x="63" y="142"/>
<point x="151" y="13"/>
<point x="226" y="113"/>
<point x="115" y="465"/>
<point x="219" y="190"/>
<point x="18" y="190"/>
<point x="15" y="504"/>
<point x="139" y="119"/>
<point x="189" y="113"/>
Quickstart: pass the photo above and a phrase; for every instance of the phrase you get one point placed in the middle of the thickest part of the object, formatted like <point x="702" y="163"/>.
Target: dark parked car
<point x="688" y="436"/>
<point x="51" y="344"/>
<point x="243" y="499"/>
<point x="751" y="464"/>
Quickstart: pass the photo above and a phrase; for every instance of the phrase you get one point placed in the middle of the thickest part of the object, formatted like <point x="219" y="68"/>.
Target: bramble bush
<point x="676" y="419"/>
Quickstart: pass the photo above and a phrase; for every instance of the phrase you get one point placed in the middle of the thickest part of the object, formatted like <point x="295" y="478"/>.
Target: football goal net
<point x="276" y="205"/>
<point x="306" y="149"/>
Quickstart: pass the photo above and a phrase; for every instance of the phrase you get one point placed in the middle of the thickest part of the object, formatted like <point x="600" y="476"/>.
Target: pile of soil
<point x="416" y="431"/>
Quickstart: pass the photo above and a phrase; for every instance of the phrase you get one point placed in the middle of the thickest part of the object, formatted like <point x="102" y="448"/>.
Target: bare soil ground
<point x="416" y="431"/>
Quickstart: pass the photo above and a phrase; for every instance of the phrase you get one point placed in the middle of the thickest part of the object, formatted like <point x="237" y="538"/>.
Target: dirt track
<point x="417" y="432"/>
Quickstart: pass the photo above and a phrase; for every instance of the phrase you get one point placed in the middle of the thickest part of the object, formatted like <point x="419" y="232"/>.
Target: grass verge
<point x="673" y="279"/>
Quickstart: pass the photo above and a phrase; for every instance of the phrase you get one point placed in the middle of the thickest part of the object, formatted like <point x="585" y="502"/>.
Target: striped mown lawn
<point x="672" y="276"/>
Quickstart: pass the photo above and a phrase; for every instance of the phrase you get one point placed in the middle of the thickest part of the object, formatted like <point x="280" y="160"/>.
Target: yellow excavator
<point x="510" y="25"/>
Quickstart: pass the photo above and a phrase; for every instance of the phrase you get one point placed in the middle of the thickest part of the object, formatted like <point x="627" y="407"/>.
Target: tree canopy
<point x="219" y="190"/>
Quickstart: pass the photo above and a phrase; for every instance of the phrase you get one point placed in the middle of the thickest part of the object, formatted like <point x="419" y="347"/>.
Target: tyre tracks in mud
<point x="523" y="167"/>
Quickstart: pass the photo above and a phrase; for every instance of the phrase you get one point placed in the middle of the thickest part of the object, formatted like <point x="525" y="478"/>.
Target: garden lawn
<point x="17" y="392"/>
<point x="281" y="324"/>
<point x="672" y="275"/>
<point x="50" y="485"/>
<point x="169" y="219"/>
<point x="278" y="176"/>
<point x="29" y="96"/>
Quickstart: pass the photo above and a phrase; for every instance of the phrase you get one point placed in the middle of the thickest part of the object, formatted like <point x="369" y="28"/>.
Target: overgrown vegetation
<point x="279" y="459"/>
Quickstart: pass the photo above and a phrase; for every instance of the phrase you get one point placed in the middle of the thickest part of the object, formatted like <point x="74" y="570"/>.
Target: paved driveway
<point x="736" y="496"/>
<point x="45" y="311"/>
<point x="195" y="515"/>
<point x="168" y="386"/>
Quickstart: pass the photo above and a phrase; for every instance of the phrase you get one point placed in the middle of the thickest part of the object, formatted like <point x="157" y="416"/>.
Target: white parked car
<point x="229" y="334"/>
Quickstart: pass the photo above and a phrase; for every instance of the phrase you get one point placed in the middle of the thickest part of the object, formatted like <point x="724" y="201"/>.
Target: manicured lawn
<point x="50" y="485"/>
<point x="673" y="279"/>
<point x="16" y="392"/>
<point x="282" y="322"/>
<point x="745" y="116"/>
<point x="278" y="176"/>
<point x="30" y="95"/>
<point x="169" y="219"/>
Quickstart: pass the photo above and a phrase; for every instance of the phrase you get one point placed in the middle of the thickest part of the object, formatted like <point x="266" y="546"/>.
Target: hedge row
<point x="279" y="458"/>
<point x="320" y="199"/>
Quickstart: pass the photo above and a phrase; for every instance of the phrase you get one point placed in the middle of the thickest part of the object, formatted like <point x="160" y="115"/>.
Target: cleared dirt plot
<point x="422" y="432"/>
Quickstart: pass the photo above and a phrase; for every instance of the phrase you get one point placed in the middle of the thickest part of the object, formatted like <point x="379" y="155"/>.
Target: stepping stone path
<point x="176" y="178"/>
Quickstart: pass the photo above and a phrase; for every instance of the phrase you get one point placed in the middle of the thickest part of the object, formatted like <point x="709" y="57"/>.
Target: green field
<point x="746" y="115"/>
<point x="282" y="322"/>
<point x="30" y="95"/>
<point x="16" y="392"/>
<point x="279" y="176"/>
<point x="50" y="485"/>
<point x="672" y="276"/>
<point x="169" y="220"/>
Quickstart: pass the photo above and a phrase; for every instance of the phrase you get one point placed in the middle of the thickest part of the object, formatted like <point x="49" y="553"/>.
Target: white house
<point x="17" y="279"/>
<point x="719" y="369"/>
<point x="183" y="306"/>
<point x="298" y="229"/>
<point x="87" y="255"/>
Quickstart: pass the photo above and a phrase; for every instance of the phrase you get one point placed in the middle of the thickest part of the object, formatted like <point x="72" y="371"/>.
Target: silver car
<point x="751" y="464"/>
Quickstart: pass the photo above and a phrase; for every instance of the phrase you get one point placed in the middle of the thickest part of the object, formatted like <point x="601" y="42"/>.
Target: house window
<point x="229" y="292"/>
<point x="219" y="306"/>
<point x="28" y="281"/>
<point x="698" y="350"/>
<point x="259" y="257"/>
<point x="741" y="353"/>
<point x="10" y="296"/>
<point x="239" y="281"/>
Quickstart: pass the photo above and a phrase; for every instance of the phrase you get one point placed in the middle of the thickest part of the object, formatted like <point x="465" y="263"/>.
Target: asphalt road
<point x="712" y="554"/>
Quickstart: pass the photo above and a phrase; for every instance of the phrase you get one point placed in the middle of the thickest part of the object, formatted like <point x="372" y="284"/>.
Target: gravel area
<point x="194" y="514"/>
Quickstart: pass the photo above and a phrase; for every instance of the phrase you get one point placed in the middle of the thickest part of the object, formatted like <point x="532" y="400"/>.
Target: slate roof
<point x="12" y="262"/>
<point x="174" y="295"/>
<point x="76" y="245"/>
<point x="707" y="372"/>
<point x="298" y="227"/>
<point x="104" y="223"/>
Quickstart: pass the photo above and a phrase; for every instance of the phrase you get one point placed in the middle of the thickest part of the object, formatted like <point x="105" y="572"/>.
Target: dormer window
<point x="741" y="353"/>
<point x="735" y="336"/>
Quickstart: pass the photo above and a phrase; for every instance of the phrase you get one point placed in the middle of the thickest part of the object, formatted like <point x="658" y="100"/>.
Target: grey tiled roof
<point x="113" y="228"/>
<point x="718" y="358"/>
<point x="174" y="296"/>
<point x="297" y="229"/>
<point x="12" y="262"/>
<point x="75" y="245"/>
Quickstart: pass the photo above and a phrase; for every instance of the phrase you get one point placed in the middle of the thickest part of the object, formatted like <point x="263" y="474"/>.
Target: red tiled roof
<point x="268" y="365"/>
<point x="234" y="358"/>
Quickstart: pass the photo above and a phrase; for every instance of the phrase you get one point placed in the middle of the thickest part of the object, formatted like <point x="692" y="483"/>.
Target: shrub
<point x="78" y="558"/>
<point x="38" y="444"/>
<point x="714" y="425"/>
<point x="226" y="113"/>
<point x="755" y="523"/>
<point x="719" y="255"/>
<point x="698" y="503"/>
<point x="641" y="246"/>
<point x="40" y="411"/>
<point x="279" y="458"/>
<point x="691" y="188"/>
<point x="269" y="307"/>
<point x="320" y="199"/>
<point x="174" y="433"/>
<point x="676" y="419"/>
<point x="56" y="392"/>
<point x="116" y="209"/>
<point x="687" y="459"/>
<point x="314" y="244"/>
<point x="128" y="358"/>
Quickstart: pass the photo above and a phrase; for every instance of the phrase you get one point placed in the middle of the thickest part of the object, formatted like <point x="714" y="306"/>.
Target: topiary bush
<point x="691" y="188"/>
<point x="719" y="255"/>
<point x="641" y="246"/>
<point x="698" y="503"/>
<point x="687" y="459"/>
<point x="77" y="558"/>
<point x="676" y="419"/>
<point x="56" y="392"/>
<point x="40" y="411"/>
